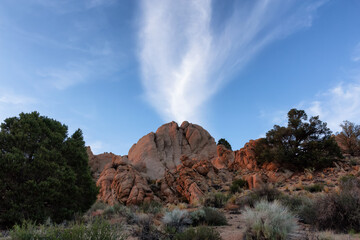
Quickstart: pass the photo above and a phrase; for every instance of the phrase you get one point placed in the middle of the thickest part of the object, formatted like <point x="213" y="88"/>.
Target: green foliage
<point x="300" y="145"/>
<point x="269" y="221"/>
<point x="217" y="200"/>
<point x="99" y="229"/>
<point x="199" y="233"/>
<point x="303" y="207"/>
<point x="340" y="212"/>
<point x="213" y="217"/>
<point x="177" y="219"/>
<point x="226" y="144"/>
<point x="263" y="192"/>
<point x="44" y="173"/>
<point x="314" y="188"/>
<point x="151" y="207"/>
<point x="197" y="217"/>
<point x="237" y="185"/>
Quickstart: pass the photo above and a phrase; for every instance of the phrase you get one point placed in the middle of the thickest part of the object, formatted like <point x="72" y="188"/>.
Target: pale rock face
<point x="157" y="152"/>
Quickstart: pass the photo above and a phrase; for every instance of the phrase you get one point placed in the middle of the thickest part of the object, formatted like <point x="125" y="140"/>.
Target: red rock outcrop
<point x="98" y="162"/>
<point x="157" y="152"/>
<point x="121" y="182"/>
<point x="225" y="157"/>
<point x="192" y="179"/>
<point x="245" y="157"/>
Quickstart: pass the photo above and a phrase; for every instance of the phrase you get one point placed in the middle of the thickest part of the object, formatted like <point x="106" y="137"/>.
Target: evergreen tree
<point x="223" y="141"/>
<point x="44" y="173"/>
<point x="300" y="145"/>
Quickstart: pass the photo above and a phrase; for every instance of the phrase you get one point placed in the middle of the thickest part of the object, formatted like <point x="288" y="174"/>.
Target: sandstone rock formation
<point x="157" y="152"/>
<point x="225" y="157"/>
<point x="177" y="164"/>
<point x="98" y="162"/>
<point x="245" y="157"/>
<point x="121" y="182"/>
<point x="192" y="179"/>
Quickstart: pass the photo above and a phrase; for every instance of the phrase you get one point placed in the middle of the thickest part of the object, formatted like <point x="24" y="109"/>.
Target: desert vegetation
<point x="300" y="145"/>
<point x="310" y="192"/>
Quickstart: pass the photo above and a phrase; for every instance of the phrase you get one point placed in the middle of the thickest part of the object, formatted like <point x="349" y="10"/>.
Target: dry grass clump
<point x="269" y="220"/>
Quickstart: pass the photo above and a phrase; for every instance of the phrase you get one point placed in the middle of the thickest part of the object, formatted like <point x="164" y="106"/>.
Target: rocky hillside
<point x="183" y="163"/>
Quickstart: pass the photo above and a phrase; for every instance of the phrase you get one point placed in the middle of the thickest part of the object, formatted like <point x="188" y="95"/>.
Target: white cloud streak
<point x="337" y="105"/>
<point x="185" y="59"/>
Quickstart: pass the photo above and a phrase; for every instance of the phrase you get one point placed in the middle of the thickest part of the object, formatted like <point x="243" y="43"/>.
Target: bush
<point x="214" y="217"/>
<point x="349" y="138"/>
<point x="197" y="217"/>
<point x="99" y="229"/>
<point x="217" y="200"/>
<point x="151" y="207"/>
<point x="44" y="173"/>
<point x="226" y="144"/>
<point x="199" y="233"/>
<point x="237" y="185"/>
<point x="300" y="145"/>
<point x="303" y="207"/>
<point x="269" y="221"/>
<point x="314" y="188"/>
<point x="340" y="212"/>
<point x="177" y="219"/>
<point x="147" y="230"/>
<point x="263" y="192"/>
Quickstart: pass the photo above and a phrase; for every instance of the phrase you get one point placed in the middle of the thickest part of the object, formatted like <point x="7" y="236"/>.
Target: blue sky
<point x="120" y="69"/>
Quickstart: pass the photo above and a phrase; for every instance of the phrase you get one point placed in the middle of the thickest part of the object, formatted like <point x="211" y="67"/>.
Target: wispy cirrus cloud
<point x="334" y="105"/>
<point x="186" y="55"/>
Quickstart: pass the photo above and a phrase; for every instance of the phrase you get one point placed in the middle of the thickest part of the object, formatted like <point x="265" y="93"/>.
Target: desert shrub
<point x="213" y="217"/>
<point x="197" y="217"/>
<point x="177" y="219"/>
<point x="147" y="229"/>
<point x="264" y="191"/>
<point x="237" y="185"/>
<point x="44" y="172"/>
<point x="314" y="188"/>
<point x="349" y="182"/>
<point x="99" y="229"/>
<point x="217" y="200"/>
<point x="151" y="207"/>
<point x="226" y="144"/>
<point x="349" y="138"/>
<point x="269" y="220"/>
<point x="303" y="207"/>
<point x="98" y="205"/>
<point x="340" y="211"/>
<point x="300" y="145"/>
<point x="198" y="233"/>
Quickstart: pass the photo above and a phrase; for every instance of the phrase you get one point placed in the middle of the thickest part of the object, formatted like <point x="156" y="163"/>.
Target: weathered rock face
<point x="245" y="157"/>
<point x="121" y="182"/>
<point x="157" y="152"/>
<point x="192" y="179"/>
<point x="225" y="157"/>
<point x="98" y="162"/>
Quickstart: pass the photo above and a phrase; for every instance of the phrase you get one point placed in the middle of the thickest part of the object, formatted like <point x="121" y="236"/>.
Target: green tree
<point x="44" y="173"/>
<point x="223" y="141"/>
<point x="302" y="144"/>
<point x="349" y="138"/>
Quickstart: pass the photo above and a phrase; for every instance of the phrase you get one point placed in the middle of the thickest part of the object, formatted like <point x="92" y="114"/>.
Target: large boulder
<point x="98" y="162"/>
<point x="245" y="157"/>
<point x="157" y="152"/>
<point x="120" y="182"/>
<point x="192" y="179"/>
<point x="224" y="159"/>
